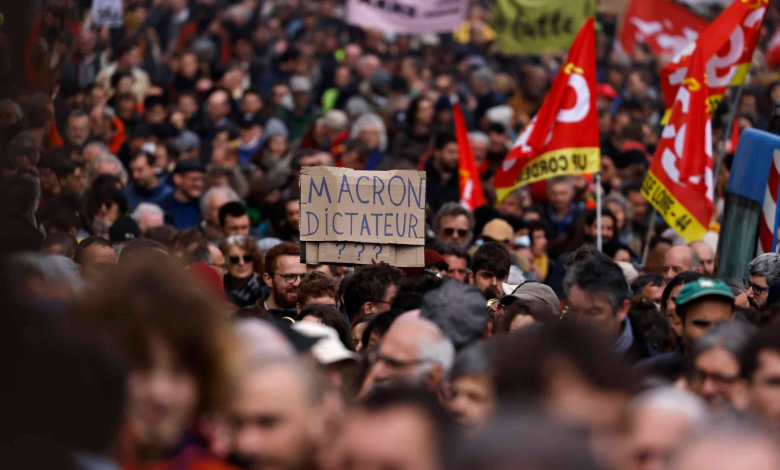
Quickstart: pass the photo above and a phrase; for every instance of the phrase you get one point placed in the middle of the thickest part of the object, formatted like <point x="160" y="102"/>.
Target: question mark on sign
<point x="378" y="252"/>
<point x="342" y="245"/>
<point x="362" y="249"/>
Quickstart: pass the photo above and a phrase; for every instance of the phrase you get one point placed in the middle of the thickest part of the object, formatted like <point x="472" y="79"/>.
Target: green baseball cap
<point x="703" y="288"/>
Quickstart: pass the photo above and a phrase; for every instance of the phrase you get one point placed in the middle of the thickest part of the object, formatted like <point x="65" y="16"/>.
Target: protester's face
<point x="97" y="263"/>
<point x="654" y="293"/>
<point x="488" y="281"/>
<point x="50" y="184"/>
<point x="560" y="195"/>
<point x="398" y="359"/>
<point x="714" y="374"/>
<point x="472" y="401"/>
<point x="448" y="157"/>
<point x="272" y="422"/>
<point x="400" y="438"/>
<point x="143" y="173"/>
<point x="706" y="258"/>
<point x="677" y="260"/>
<point x="758" y="300"/>
<point x="655" y="433"/>
<point x="607" y="229"/>
<point x="370" y="136"/>
<point x="75" y="182"/>
<point x="218" y="261"/>
<point x="454" y="229"/>
<point x="251" y="103"/>
<point x="277" y="144"/>
<point x="764" y="386"/>
<point x="458" y="268"/>
<point x="217" y="107"/>
<point x="162" y="399"/>
<point x="596" y="310"/>
<point x="285" y="292"/>
<point x="240" y="263"/>
<point x="215" y="203"/>
<point x="77" y="130"/>
<point x="511" y="206"/>
<point x="291" y="214"/>
<point x="237" y="225"/>
<point x="702" y="316"/>
<point x="638" y="206"/>
<point x="191" y="183"/>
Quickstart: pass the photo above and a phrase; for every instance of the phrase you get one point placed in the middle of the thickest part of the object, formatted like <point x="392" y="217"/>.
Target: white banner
<point x="407" y="16"/>
<point x="107" y="13"/>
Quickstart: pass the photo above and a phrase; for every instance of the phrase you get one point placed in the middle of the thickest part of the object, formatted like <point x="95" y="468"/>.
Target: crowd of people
<point x="158" y="315"/>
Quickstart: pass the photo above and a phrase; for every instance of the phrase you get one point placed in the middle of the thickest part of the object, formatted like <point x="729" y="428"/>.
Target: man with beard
<point x="491" y="268"/>
<point x="277" y="418"/>
<point x="283" y="274"/>
<point x="442" y="171"/>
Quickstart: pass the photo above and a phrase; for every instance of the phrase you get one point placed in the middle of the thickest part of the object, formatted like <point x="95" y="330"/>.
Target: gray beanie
<point x="460" y="310"/>
<point x="275" y="127"/>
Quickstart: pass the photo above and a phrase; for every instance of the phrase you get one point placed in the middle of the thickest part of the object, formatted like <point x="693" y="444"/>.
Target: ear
<point x="367" y="308"/>
<point x="176" y="179"/>
<point x="434" y="377"/>
<point x="622" y="312"/>
<point x="267" y="279"/>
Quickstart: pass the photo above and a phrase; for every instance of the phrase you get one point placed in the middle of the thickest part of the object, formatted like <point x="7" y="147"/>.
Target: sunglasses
<point x="451" y="231"/>
<point x="236" y="259"/>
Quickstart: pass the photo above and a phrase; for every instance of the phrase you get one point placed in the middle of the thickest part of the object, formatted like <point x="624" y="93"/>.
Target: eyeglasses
<point x="236" y="259"/>
<point x="701" y="376"/>
<point x="756" y="289"/>
<point x="289" y="278"/>
<point x="451" y="231"/>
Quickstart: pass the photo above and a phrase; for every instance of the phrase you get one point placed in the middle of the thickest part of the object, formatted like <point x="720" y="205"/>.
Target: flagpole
<point x="727" y="132"/>
<point x="598" y="211"/>
<point x="650" y="229"/>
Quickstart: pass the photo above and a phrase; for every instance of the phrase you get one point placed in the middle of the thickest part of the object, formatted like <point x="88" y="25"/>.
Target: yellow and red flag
<point x="469" y="181"/>
<point x="563" y="137"/>
<point x="679" y="183"/>
<point x="727" y="45"/>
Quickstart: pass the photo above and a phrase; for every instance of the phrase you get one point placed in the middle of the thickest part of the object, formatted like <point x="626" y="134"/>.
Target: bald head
<point x="680" y="259"/>
<point x="706" y="258"/>
<point x="414" y="351"/>
<point x="218" y="106"/>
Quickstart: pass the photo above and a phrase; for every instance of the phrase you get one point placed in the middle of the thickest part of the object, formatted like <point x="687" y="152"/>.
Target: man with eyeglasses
<point x="371" y="289"/>
<point x="764" y="272"/>
<point x="283" y="274"/>
<point x="454" y="224"/>
<point x="414" y="352"/>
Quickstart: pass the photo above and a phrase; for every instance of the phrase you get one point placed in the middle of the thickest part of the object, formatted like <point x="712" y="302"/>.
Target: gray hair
<point x="370" y="119"/>
<point x="106" y="157"/>
<point x="478" y="136"/>
<point x="52" y="268"/>
<point x="478" y="359"/>
<point x="560" y="180"/>
<point x="731" y="336"/>
<point x="145" y="208"/>
<point x="767" y="265"/>
<point x="673" y="399"/>
<point x="484" y="75"/>
<point x="452" y="209"/>
<point x="440" y="352"/>
<point x="259" y="340"/>
<point x="226" y="191"/>
<point x="624" y="204"/>
<point x="15" y="108"/>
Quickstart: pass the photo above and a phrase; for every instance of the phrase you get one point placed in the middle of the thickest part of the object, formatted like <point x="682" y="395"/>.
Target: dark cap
<point x="187" y="166"/>
<point x="537" y="297"/>
<point x="123" y="230"/>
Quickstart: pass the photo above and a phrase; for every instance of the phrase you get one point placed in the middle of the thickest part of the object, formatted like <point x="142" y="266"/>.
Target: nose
<point x="749" y="293"/>
<point x="493" y="281"/>
<point x="297" y="281"/>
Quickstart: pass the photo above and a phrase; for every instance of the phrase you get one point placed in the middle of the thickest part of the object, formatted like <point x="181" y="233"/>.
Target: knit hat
<point x="275" y="127"/>
<point x="458" y="309"/>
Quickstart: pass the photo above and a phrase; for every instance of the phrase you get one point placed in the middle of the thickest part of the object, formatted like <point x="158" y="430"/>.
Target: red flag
<point x="563" y="137"/>
<point x="666" y="27"/>
<point x="471" y="193"/>
<point x="679" y="184"/>
<point x="727" y="45"/>
<point x="772" y="57"/>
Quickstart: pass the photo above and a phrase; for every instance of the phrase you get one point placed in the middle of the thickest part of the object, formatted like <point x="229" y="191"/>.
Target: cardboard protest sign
<point x="354" y="216"/>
